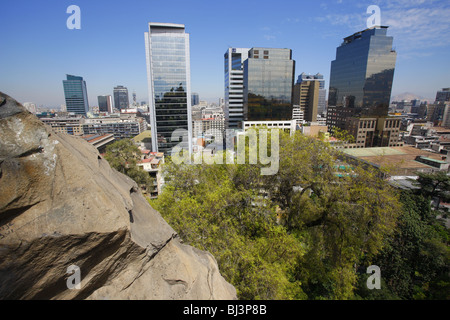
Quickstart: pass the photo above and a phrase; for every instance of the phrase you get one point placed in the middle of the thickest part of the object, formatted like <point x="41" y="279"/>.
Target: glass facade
<point x="169" y="84"/>
<point x="75" y="94"/>
<point x="121" y="100"/>
<point x="195" y="99"/>
<point x="362" y="74"/>
<point x="104" y="103"/>
<point x="268" y="83"/>
<point x="234" y="86"/>
<point x="443" y="95"/>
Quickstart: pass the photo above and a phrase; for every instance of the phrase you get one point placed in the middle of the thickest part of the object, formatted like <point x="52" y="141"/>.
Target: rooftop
<point x="403" y="159"/>
<point x="166" y="25"/>
<point x="147" y="134"/>
<point x="92" y="138"/>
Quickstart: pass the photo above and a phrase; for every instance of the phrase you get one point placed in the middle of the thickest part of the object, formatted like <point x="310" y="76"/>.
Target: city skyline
<point x="39" y="46"/>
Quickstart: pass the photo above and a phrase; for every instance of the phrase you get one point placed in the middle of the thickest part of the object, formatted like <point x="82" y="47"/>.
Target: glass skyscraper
<point x="234" y="86"/>
<point x="268" y="83"/>
<point x="443" y="95"/>
<point x="169" y="87"/>
<point x="360" y="89"/>
<point x="75" y="94"/>
<point x="105" y="103"/>
<point x="362" y="74"/>
<point x="121" y="99"/>
<point x="195" y="99"/>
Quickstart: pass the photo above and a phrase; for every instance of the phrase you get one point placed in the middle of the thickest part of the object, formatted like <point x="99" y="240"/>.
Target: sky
<point x="37" y="49"/>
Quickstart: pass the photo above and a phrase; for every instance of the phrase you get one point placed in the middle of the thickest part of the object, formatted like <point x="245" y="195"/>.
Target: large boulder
<point x="62" y="205"/>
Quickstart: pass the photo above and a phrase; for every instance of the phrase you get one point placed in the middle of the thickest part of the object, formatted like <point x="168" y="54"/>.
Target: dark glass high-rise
<point x="268" y="82"/>
<point x="75" y="94"/>
<point x="121" y="99"/>
<point x="361" y="76"/>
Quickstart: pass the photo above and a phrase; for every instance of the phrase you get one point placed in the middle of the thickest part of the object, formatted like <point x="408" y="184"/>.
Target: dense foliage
<point x="310" y="230"/>
<point x="123" y="155"/>
<point x="416" y="260"/>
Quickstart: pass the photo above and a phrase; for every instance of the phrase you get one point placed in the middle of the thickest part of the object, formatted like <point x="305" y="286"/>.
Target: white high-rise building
<point x="234" y="86"/>
<point x="169" y="85"/>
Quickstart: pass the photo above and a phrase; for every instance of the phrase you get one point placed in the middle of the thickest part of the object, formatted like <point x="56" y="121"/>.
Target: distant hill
<point x="408" y="96"/>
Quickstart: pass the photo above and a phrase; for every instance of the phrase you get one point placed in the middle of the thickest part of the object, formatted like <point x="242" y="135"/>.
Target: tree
<point x="299" y="233"/>
<point x="123" y="155"/>
<point x="435" y="185"/>
<point x="415" y="262"/>
<point x="212" y="212"/>
<point x="341" y="212"/>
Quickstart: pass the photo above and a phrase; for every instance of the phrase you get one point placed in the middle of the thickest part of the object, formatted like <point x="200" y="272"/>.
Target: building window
<point x="256" y="51"/>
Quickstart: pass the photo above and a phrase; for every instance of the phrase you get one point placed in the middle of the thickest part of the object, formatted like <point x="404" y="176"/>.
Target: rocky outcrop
<point x="61" y="205"/>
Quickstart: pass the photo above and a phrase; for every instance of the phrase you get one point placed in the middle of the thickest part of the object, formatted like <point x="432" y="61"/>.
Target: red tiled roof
<point x="89" y="136"/>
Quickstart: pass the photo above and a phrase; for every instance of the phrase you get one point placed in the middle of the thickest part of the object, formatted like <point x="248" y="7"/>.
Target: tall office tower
<point x="105" y="104"/>
<point x="121" y="100"/>
<point x="307" y="94"/>
<point x="75" y="93"/>
<point x="169" y="85"/>
<point x="435" y="112"/>
<point x="362" y="74"/>
<point x="135" y="104"/>
<point x="234" y="86"/>
<point x="360" y="88"/>
<point x="446" y="117"/>
<point x="443" y="95"/>
<point x="415" y="105"/>
<point x="195" y="99"/>
<point x="322" y="104"/>
<point x="268" y="82"/>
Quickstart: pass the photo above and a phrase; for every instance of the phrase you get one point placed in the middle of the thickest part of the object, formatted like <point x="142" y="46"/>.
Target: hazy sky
<point x="37" y="49"/>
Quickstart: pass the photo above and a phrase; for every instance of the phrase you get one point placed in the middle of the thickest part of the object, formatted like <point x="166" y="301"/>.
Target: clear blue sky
<point x="37" y="49"/>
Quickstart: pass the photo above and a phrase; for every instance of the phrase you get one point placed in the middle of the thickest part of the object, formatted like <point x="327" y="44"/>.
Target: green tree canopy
<point x="299" y="233"/>
<point x="123" y="155"/>
<point x="415" y="263"/>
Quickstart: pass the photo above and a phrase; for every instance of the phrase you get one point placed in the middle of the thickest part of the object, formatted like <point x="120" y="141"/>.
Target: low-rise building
<point x="151" y="162"/>
<point x="121" y="126"/>
<point x="214" y="126"/>
<point x="315" y="131"/>
<point x="286" y="125"/>
<point x="401" y="161"/>
<point x="99" y="141"/>
<point x="68" y="125"/>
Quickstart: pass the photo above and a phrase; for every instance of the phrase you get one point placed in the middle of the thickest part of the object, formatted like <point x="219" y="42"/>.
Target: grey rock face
<point x="61" y="204"/>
